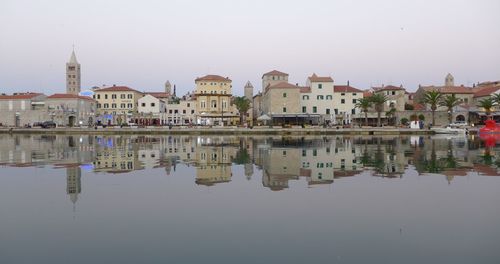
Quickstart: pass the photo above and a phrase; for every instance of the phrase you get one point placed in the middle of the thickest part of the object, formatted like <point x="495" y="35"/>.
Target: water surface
<point x="208" y="199"/>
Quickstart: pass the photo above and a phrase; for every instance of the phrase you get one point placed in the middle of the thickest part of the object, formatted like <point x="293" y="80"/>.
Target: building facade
<point x="71" y="110"/>
<point x="116" y="105"/>
<point x="21" y="109"/>
<point x="213" y="101"/>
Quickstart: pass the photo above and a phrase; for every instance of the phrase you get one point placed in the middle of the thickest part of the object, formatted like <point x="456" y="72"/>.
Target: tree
<point x="391" y="114"/>
<point x="364" y="104"/>
<point x="378" y="100"/>
<point x="409" y="106"/>
<point x="243" y="105"/>
<point x="404" y="121"/>
<point x="496" y="98"/>
<point x="432" y="98"/>
<point x="487" y="104"/>
<point x="450" y="101"/>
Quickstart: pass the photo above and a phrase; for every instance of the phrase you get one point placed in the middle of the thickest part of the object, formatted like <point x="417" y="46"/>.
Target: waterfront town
<point x="319" y="101"/>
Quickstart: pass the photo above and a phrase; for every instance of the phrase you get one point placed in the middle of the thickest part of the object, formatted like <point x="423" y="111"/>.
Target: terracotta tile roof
<point x="158" y="94"/>
<point x="217" y="78"/>
<point x="69" y="96"/>
<point x="345" y="89"/>
<point x="305" y="89"/>
<point x="450" y="89"/>
<point x="316" y="78"/>
<point x="388" y="88"/>
<point x="486" y="91"/>
<point x="116" y="89"/>
<point x="275" y="72"/>
<point x="367" y="93"/>
<point x="283" y="85"/>
<point x="419" y="107"/>
<point x="20" y="96"/>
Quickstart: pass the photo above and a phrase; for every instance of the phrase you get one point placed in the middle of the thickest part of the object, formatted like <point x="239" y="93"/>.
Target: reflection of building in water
<point x="116" y="154"/>
<point x="214" y="160"/>
<point x="34" y="150"/>
<point x="73" y="183"/>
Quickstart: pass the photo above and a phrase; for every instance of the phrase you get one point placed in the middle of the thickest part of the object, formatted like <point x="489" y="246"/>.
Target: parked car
<point x="48" y="124"/>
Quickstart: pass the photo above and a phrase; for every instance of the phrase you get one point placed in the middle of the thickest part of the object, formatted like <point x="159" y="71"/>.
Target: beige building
<point x="22" y="109"/>
<point x="213" y="101"/>
<point x="396" y="96"/>
<point x="71" y="110"/>
<point x="116" y="104"/>
<point x="316" y="98"/>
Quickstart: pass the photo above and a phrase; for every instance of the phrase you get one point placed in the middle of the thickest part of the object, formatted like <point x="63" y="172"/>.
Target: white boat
<point x="449" y="130"/>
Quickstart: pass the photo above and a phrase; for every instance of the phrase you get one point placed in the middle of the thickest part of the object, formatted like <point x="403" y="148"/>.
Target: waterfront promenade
<point x="223" y="131"/>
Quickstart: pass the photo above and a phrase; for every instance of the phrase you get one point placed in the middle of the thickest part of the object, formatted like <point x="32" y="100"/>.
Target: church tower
<point x="249" y="91"/>
<point x="168" y="88"/>
<point x="73" y="183"/>
<point x="449" y="80"/>
<point x="73" y="75"/>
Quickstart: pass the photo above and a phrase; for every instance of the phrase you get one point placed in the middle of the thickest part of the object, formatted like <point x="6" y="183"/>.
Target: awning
<point x="263" y="117"/>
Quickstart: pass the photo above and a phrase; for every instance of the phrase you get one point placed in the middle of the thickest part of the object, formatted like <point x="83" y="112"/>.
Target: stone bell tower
<point x="73" y="75"/>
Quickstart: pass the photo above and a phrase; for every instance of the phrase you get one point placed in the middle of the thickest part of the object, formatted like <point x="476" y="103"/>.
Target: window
<point x="122" y="105"/>
<point x="129" y="106"/>
<point x="113" y="96"/>
<point x="213" y="104"/>
<point x="192" y="111"/>
<point x="353" y="111"/>
<point x="393" y="92"/>
<point x="122" y="96"/>
<point x="327" y="111"/>
<point x="152" y="104"/>
<point x="106" y="105"/>
<point x="354" y="94"/>
<point x="342" y="94"/>
<point x="203" y="104"/>
<point x="170" y="111"/>
<point x="320" y="86"/>
<point x="113" y="105"/>
<point x="305" y="97"/>
<point x="183" y="111"/>
<point x="284" y="94"/>
<point x="320" y="97"/>
<point x="284" y="109"/>
<point x="129" y="96"/>
<point x="105" y="96"/>
<point x="98" y="96"/>
<point x="342" y="101"/>
<point x="315" y="109"/>
<point x="354" y="101"/>
<point x="329" y="97"/>
<point x="143" y="104"/>
<point x="188" y="104"/>
<point x="98" y="105"/>
<point x="304" y="153"/>
<point x="336" y="111"/>
<point x="315" y="152"/>
<point x="304" y="109"/>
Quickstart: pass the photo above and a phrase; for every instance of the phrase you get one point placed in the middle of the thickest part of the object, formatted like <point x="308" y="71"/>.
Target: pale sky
<point x="141" y="44"/>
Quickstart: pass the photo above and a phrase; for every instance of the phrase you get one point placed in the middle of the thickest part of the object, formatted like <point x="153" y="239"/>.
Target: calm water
<point x="163" y="199"/>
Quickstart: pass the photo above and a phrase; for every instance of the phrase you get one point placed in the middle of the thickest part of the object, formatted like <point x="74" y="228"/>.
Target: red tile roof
<point x="217" y="78"/>
<point x="305" y="89"/>
<point x="487" y="91"/>
<point x="69" y="96"/>
<point x="20" y="96"/>
<point x="388" y="88"/>
<point x="159" y="94"/>
<point x="275" y="72"/>
<point x="283" y="85"/>
<point x="117" y="89"/>
<point x="345" y="89"/>
<point x="451" y="89"/>
<point x="367" y="93"/>
<point x="316" y="78"/>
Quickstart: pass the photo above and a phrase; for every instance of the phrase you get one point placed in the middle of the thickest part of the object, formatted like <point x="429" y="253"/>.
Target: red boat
<point x="490" y="127"/>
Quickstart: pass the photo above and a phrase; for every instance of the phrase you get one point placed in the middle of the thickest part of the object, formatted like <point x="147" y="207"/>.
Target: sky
<point x="141" y="44"/>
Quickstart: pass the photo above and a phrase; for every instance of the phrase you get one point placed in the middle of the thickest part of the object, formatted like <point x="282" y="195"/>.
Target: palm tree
<point x="378" y="100"/>
<point x="242" y="104"/>
<point x="487" y="104"/>
<point x="496" y="98"/>
<point x="450" y="101"/>
<point x="432" y="98"/>
<point x="364" y="104"/>
<point x="391" y="114"/>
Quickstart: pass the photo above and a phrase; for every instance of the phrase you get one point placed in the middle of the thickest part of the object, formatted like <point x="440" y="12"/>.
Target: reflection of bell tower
<point x="248" y="170"/>
<point x="73" y="183"/>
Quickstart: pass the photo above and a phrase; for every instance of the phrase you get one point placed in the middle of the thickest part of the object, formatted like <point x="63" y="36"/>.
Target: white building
<point x="345" y="99"/>
<point x="318" y="98"/>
